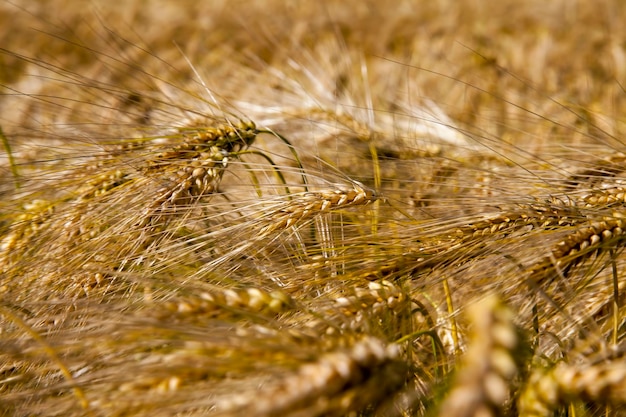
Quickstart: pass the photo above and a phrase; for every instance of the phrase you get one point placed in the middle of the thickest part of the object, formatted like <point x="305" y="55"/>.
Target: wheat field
<point x="282" y="208"/>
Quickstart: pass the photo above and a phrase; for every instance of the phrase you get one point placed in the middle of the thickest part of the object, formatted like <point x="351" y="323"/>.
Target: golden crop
<point x="312" y="208"/>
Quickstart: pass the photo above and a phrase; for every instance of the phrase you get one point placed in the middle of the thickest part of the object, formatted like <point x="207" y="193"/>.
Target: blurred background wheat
<point x="337" y="208"/>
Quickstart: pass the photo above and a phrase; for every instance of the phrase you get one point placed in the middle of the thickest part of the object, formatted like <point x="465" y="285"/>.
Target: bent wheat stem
<point x="12" y="165"/>
<point x="275" y="168"/>
<point x="293" y="152"/>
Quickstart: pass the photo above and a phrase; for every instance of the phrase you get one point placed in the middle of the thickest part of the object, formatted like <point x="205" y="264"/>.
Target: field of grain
<point x="335" y="208"/>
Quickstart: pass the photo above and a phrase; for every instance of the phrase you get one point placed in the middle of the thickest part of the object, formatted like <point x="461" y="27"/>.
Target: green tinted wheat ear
<point x="603" y="383"/>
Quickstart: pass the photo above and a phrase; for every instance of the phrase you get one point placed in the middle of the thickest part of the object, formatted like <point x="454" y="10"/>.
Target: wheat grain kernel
<point x="594" y="240"/>
<point x="496" y="389"/>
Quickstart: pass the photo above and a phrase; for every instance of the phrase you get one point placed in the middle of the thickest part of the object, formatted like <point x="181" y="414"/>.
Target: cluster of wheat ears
<point x="312" y="209"/>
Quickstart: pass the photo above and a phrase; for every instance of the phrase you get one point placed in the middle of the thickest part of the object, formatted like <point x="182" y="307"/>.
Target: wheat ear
<point x="482" y="386"/>
<point x="309" y="204"/>
<point x="539" y="215"/>
<point x="603" y="383"/>
<point x="339" y="383"/>
<point x="579" y="245"/>
<point x="129" y="197"/>
<point x="358" y="311"/>
<point x="605" y="198"/>
<point x="229" y="302"/>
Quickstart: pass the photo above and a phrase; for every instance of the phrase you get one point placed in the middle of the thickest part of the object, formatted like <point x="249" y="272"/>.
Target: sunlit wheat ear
<point x="540" y="215"/>
<point x="300" y="207"/>
<point x="605" y="198"/>
<point x="194" y="168"/>
<point x="228" y="302"/>
<point x="484" y="381"/>
<point x="603" y="383"/>
<point x="338" y="383"/>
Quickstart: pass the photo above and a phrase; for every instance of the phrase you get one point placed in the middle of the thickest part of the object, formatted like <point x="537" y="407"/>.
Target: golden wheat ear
<point x="302" y="207"/>
<point x="581" y="244"/>
<point x="484" y="385"/>
<point x="338" y="383"/>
